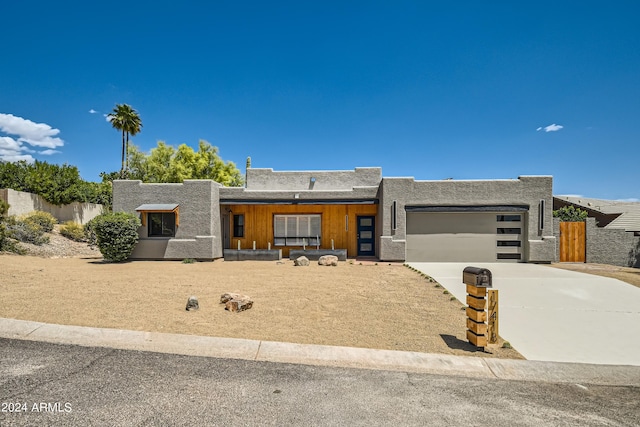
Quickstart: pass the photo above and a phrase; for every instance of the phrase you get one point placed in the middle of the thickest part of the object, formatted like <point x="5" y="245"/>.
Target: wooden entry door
<point x="573" y="242"/>
<point x="226" y="228"/>
<point x="366" y="235"/>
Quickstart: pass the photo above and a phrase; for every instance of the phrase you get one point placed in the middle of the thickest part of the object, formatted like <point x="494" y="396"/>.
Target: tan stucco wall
<point x="21" y="203"/>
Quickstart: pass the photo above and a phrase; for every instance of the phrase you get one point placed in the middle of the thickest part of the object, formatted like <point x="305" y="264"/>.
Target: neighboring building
<point x="358" y="210"/>
<point x="611" y="214"/>
<point x="612" y="231"/>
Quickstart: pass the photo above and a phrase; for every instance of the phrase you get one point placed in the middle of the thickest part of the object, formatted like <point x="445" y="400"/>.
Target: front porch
<point x="345" y="230"/>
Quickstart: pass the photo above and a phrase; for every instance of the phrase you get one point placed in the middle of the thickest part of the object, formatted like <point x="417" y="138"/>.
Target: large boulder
<point x="301" y="261"/>
<point x="328" y="260"/>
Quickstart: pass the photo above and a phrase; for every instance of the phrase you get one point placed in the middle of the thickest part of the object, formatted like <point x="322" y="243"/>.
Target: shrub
<point x="27" y="232"/>
<point x="116" y="234"/>
<point x="45" y="220"/>
<point x="72" y="230"/>
<point x="4" y="239"/>
<point x="90" y="232"/>
<point x="571" y="214"/>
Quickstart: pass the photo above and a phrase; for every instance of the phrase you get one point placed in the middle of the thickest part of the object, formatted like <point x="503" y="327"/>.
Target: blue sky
<point x="434" y="90"/>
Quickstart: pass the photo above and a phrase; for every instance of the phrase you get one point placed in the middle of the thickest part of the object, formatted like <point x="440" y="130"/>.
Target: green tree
<point x="56" y="184"/>
<point x="124" y="118"/>
<point x="14" y="175"/>
<point x="571" y="214"/>
<point x="166" y="164"/>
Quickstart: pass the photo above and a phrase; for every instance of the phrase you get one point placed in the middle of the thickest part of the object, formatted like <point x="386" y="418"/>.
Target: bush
<point x="45" y="220"/>
<point x="4" y="239"/>
<point x="116" y="234"/>
<point x="570" y="214"/>
<point x="90" y="232"/>
<point x="72" y="230"/>
<point x="26" y="232"/>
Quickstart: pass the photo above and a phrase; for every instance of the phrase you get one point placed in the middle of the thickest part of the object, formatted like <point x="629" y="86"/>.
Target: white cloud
<point x="49" y="152"/>
<point x="92" y="111"/>
<point x="551" y="128"/>
<point x="7" y="143"/>
<point x="16" y="158"/>
<point x="12" y="151"/>
<point x="29" y="134"/>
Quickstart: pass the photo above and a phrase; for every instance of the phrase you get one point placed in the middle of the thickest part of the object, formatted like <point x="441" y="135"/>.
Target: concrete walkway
<point x="347" y="357"/>
<point x="556" y="315"/>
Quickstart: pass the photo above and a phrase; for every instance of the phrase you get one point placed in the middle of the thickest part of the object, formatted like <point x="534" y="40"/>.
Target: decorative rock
<point x="302" y="261"/>
<point x="229" y="296"/>
<point x="192" y="304"/>
<point x="328" y="260"/>
<point x="236" y="302"/>
<point x="238" y="305"/>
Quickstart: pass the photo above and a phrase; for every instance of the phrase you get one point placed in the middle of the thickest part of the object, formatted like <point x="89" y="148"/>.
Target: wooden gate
<point x="573" y="242"/>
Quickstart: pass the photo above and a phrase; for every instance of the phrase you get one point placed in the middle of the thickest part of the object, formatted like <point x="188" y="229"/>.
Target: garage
<point x="465" y="233"/>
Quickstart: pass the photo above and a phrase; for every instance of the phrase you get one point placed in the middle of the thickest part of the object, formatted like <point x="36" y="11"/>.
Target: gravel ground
<point x="60" y="247"/>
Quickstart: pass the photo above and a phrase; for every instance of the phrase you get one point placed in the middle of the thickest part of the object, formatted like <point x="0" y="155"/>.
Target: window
<point x="509" y="256"/>
<point x="510" y="243"/>
<point x="394" y="215"/>
<point x="509" y="218"/>
<point x="162" y="224"/>
<point x="238" y="225"/>
<point x="508" y="231"/>
<point x="160" y="219"/>
<point x="297" y="230"/>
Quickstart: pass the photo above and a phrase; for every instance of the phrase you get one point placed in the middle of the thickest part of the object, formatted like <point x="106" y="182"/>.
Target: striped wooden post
<point x="492" y="318"/>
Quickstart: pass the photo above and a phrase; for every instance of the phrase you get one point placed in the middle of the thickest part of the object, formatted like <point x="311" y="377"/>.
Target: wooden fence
<point x="573" y="241"/>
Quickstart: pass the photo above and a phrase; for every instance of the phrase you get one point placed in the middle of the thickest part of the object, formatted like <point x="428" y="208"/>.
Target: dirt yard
<point x="360" y="305"/>
<point x="626" y="274"/>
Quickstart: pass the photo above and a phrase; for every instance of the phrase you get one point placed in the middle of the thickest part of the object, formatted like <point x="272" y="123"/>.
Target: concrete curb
<point x="320" y="355"/>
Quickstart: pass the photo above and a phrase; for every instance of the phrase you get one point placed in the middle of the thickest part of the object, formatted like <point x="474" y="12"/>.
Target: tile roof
<point x="629" y="219"/>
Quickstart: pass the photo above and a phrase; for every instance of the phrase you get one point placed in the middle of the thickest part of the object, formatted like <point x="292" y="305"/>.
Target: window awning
<point x="158" y="207"/>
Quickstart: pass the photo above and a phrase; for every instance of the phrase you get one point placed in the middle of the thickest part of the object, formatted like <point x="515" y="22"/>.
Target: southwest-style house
<point x="358" y="211"/>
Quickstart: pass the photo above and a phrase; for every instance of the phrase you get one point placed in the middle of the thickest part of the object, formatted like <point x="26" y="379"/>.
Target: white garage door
<point x="464" y="236"/>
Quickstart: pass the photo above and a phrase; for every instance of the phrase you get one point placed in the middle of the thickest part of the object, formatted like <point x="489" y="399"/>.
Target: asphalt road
<point x="65" y="385"/>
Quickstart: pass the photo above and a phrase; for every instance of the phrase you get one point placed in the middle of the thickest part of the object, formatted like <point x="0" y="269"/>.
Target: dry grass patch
<point x="372" y="306"/>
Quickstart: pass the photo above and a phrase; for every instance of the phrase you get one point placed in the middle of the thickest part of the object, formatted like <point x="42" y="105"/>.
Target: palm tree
<point x="127" y="120"/>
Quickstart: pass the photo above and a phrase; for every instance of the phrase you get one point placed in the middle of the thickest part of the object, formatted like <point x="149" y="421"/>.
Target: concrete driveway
<point x="556" y="315"/>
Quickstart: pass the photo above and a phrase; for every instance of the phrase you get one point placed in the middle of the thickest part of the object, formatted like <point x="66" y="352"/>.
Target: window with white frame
<point x="297" y="230"/>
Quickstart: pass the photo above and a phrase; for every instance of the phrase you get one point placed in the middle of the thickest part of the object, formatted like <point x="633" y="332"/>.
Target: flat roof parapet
<point x="259" y="179"/>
